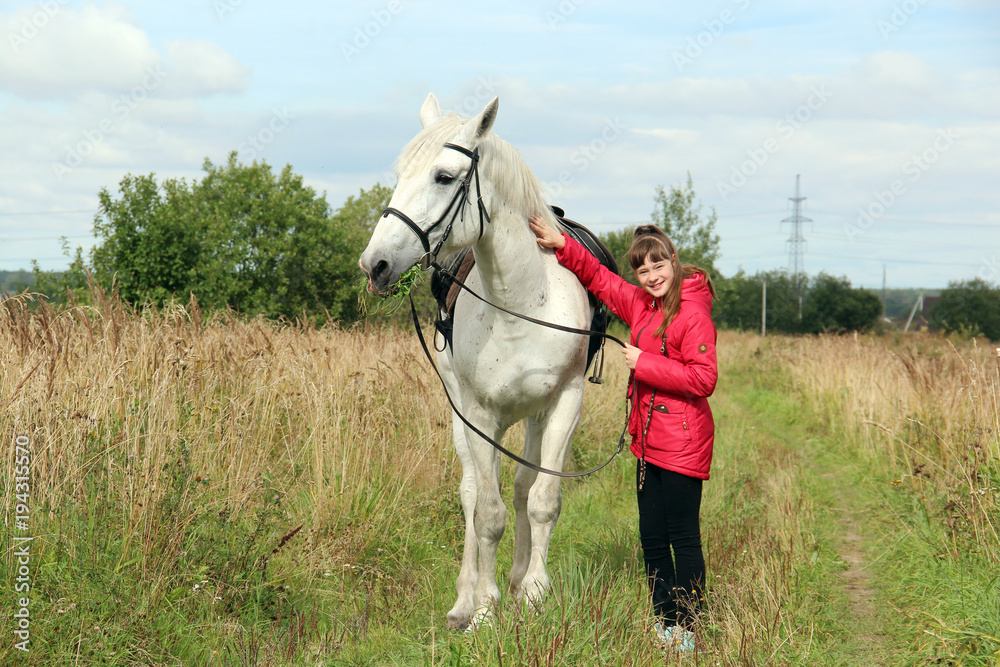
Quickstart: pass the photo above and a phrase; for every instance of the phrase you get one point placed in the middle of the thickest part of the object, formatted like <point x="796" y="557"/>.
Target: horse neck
<point x="508" y="260"/>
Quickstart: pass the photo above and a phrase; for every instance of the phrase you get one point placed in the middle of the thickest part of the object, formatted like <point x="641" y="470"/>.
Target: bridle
<point x="429" y="259"/>
<point x="461" y="196"/>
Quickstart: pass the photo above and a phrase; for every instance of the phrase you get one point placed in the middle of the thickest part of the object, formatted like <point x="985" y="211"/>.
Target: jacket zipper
<point x="652" y="398"/>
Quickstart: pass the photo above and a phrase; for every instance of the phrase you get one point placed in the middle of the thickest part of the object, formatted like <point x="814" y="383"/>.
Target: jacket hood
<point x="695" y="291"/>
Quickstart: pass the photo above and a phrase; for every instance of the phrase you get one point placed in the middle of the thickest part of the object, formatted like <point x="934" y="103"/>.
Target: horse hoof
<point x="481" y="619"/>
<point x="533" y="590"/>
<point x="458" y="622"/>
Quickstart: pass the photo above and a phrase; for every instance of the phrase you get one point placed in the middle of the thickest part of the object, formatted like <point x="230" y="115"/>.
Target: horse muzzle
<point x="380" y="276"/>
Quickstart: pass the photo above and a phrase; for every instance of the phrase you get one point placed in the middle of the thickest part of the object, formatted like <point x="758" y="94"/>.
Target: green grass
<point x="308" y="563"/>
<point x="932" y="594"/>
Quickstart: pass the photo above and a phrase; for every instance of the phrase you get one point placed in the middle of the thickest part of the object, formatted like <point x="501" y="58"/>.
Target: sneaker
<point x="675" y="638"/>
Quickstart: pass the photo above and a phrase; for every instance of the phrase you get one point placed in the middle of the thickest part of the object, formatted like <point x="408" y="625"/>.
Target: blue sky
<point x="890" y="111"/>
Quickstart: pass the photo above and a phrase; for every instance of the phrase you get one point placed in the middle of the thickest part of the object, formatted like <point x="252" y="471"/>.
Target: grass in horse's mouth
<point x="393" y="299"/>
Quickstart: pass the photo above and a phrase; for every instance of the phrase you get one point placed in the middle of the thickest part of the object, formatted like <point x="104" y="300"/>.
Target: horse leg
<point x="523" y="480"/>
<point x="545" y="498"/>
<point x="465" y="586"/>
<point x="489" y="517"/>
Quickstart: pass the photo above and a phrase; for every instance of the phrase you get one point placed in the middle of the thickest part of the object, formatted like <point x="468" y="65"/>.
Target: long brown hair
<point x="652" y="243"/>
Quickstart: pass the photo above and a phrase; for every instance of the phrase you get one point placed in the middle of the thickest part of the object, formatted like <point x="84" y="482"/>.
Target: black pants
<point x="669" y="503"/>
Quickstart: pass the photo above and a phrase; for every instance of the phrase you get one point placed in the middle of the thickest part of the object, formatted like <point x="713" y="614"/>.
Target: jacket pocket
<point x="669" y="431"/>
<point x="674" y="406"/>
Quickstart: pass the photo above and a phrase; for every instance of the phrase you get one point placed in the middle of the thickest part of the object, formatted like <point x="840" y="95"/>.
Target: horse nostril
<point x="379" y="269"/>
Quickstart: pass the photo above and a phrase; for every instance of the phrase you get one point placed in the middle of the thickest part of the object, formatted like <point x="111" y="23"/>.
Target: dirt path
<point x="857" y="624"/>
<point x="862" y="598"/>
<point x="870" y="644"/>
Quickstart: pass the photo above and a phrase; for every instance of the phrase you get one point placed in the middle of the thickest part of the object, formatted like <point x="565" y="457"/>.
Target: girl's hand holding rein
<point x="631" y="355"/>
<point x="548" y="237"/>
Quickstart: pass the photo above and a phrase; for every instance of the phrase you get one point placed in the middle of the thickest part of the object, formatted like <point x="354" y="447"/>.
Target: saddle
<point x="446" y="291"/>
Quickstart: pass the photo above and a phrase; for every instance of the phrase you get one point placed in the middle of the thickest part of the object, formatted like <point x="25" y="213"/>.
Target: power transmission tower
<point x="796" y="243"/>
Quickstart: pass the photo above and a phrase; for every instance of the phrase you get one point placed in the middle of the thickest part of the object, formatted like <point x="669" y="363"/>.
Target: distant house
<point x="919" y="316"/>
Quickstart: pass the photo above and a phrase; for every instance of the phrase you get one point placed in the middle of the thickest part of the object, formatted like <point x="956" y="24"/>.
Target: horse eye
<point x="443" y="178"/>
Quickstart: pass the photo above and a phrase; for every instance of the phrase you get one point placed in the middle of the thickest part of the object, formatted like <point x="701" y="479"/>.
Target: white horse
<point x="499" y="369"/>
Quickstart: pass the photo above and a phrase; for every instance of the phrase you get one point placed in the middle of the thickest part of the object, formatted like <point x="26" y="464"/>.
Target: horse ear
<point x="484" y="121"/>
<point x="430" y="111"/>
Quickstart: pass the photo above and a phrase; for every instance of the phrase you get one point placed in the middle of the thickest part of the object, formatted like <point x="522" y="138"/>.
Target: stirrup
<point x="597" y="377"/>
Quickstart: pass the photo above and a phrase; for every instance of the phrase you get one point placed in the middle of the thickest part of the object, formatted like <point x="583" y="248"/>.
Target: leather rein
<point x="429" y="259"/>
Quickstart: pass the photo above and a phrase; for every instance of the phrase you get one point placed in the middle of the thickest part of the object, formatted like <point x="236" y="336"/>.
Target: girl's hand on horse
<point x="547" y="236"/>
<point x="631" y="355"/>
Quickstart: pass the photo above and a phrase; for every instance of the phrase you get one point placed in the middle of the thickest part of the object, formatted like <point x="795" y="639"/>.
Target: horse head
<point x="433" y="210"/>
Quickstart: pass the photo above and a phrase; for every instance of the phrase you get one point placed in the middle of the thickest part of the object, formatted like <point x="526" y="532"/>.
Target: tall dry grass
<point x="173" y="425"/>
<point x="180" y="424"/>
<point x="166" y="415"/>
<point x="929" y="406"/>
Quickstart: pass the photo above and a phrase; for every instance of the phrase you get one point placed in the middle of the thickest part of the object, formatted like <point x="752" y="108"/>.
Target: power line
<point x="19" y="213"/>
<point x="893" y="242"/>
<point x="748" y="259"/>
<point x="894" y="261"/>
<point x="749" y="236"/>
<point x="45" y="238"/>
<point x="751" y="215"/>
<point x="893" y="218"/>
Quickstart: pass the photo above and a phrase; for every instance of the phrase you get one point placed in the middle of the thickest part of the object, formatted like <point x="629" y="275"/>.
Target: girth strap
<point x="526" y="318"/>
<point x="496" y="445"/>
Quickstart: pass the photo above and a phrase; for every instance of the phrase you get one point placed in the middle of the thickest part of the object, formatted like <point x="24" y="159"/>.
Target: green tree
<point x="741" y="299"/>
<point x="618" y="242"/>
<point x="13" y="282"/>
<point x="361" y="212"/>
<point x="72" y="283"/>
<point x="679" y="214"/>
<point x="151" y="242"/>
<point x="243" y="236"/>
<point x="969" y="307"/>
<point x="833" y="305"/>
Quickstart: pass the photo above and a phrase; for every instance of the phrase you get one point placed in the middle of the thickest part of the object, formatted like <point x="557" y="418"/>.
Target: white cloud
<point x="896" y="70"/>
<point x="58" y="53"/>
<point x="886" y="85"/>
<point x="675" y="136"/>
<point x="202" y="68"/>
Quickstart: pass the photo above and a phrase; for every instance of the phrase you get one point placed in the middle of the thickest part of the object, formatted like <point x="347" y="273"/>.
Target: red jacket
<point x="681" y="430"/>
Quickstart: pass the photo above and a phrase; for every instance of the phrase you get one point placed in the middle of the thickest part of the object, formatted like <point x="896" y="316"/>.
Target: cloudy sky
<point x="889" y="110"/>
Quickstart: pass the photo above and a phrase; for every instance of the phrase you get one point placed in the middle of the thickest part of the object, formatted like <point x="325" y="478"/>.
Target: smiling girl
<point x="674" y="371"/>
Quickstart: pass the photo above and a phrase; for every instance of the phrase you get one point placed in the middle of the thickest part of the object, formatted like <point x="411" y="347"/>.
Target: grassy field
<point x="210" y="490"/>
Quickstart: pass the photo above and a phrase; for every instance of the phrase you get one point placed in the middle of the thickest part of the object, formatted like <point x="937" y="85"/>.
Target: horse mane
<point x="500" y="163"/>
